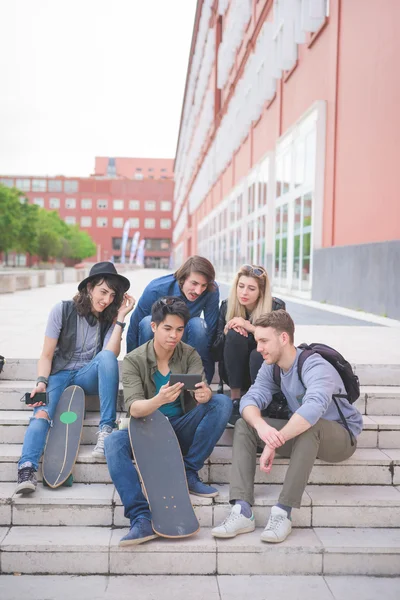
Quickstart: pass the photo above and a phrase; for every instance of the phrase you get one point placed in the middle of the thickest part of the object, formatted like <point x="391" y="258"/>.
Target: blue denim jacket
<point x="168" y="286"/>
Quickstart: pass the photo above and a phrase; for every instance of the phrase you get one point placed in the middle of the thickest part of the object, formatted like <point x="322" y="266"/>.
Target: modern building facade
<point x="102" y="205"/>
<point x="287" y="147"/>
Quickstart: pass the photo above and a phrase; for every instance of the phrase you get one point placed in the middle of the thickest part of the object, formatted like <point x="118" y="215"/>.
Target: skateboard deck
<point x="64" y="437"/>
<point x="159" y="462"/>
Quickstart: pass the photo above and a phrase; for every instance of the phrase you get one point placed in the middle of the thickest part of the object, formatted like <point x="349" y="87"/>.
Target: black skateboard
<point x="64" y="437"/>
<point x="161" y="469"/>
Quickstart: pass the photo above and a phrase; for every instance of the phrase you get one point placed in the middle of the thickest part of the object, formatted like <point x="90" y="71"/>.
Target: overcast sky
<point x="86" y="78"/>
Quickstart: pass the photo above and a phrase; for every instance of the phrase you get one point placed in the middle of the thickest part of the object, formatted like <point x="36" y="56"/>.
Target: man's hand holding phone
<point x="169" y="393"/>
<point x="203" y="393"/>
<point x="39" y="389"/>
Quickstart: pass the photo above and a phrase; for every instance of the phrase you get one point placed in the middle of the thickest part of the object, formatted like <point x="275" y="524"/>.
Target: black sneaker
<point x="27" y="481"/>
<point x="235" y="413"/>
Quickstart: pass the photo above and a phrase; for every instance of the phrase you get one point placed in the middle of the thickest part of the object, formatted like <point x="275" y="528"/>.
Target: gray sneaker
<point x="27" y="481"/>
<point x="98" y="451"/>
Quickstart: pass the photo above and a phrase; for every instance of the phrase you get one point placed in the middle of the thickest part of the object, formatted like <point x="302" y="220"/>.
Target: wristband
<point x="122" y="325"/>
<point x="42" y="380"/>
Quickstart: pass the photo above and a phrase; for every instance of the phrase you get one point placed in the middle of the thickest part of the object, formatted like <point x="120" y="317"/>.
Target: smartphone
<point x="38" y="397"/>
<point x="189" y="381"/>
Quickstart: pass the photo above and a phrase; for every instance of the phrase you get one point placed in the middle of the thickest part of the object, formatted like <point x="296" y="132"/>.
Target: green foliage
<point x="27" y="228"/>
<point x="10" y="223"/>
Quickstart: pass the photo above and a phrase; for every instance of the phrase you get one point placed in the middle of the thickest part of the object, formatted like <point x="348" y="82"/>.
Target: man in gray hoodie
<point x="314" y="429"/>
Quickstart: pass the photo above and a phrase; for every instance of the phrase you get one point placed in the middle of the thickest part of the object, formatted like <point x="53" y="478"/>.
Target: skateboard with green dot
<point x="64" y="438"/>
<point x="161" y="470"/>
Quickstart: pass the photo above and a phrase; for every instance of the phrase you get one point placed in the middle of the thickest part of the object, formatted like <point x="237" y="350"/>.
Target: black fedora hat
<point x="104" y="269"/>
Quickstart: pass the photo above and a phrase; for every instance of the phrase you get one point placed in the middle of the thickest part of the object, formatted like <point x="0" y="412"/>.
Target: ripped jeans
<point x="100" y="376"/>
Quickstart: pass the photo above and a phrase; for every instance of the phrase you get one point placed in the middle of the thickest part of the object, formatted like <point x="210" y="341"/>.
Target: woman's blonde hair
<point x="264" y="302"/>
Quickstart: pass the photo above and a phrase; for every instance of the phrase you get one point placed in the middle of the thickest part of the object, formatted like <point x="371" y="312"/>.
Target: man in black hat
<point x="81" y="345"/>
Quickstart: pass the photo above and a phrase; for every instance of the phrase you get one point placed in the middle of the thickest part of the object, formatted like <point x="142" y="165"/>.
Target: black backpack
<point x="342" y="366"/>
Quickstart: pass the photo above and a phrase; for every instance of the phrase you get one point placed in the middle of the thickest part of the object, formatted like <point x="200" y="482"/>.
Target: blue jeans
<point x="197" y="431"/>
<point x="195" y="335"/>
<point x="100" y="376"/>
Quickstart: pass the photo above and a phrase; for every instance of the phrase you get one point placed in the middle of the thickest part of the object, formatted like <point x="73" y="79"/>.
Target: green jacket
<point x="139" y="366"/>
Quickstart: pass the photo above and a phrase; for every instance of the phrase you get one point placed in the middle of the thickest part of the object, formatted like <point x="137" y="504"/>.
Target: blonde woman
<point x="235" y="347"/>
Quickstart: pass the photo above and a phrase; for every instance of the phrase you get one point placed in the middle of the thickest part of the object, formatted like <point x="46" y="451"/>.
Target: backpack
<point x="342" y="366"/>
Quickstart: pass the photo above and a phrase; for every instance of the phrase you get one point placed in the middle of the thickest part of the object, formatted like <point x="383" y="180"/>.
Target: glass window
<point x="23" y="184"/>
<point x="70" y="203"/>
<point x="7" y="182"/>
<point x="86" y="203"/>
<point x="55" y="185"/>
<point x="54" y="203"/>
<point x="118" y="222"/>
<point x="118" y="204"/>
<point x="134" y="222"/>
<point x="150" y="205"/>
<point x="39" y="202"/>
<point x="134" y="204"/>
<point x="151" y="169"/>
<point x="70" y="220"/>
<point x="138" y="168"/>
<point x="102" y="204"/>
<point x="165" y="223"/>
<point x="116" y="243"/>
<point x="163" y="170"/>
<point x="38" y="185"/>
<point x="102" y="221"/>
<point x="70" y="186"/>
<point x="165" y="205"/>
<point x="138" y="176"/>
<point x="149" y="223"/>
<point x="86" y="221"/>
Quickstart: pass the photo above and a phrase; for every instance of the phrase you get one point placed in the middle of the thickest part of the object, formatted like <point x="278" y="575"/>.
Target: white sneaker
<point x="234" y="524"/>
<point x="278" y="526"/>
<point x="98" y="450"/>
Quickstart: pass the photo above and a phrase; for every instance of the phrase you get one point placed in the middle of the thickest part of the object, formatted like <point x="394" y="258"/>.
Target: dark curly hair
<point x="83" y="303"/>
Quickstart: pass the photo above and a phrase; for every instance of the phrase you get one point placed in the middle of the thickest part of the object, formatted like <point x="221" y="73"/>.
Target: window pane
<point x="134" y="205"/>
<point x="39" y="202"/>
<point x="70" y="220"/>
<point x="102" y="204"/>
<point x="149" y="223"/>
<point x="86" y="203"/>
<point x="102" y="221"/>
<point x="118" y="222"/>
<point x="23" y="184"/>
<point x="116" y="243"/>
<point x="8" y="182"/>
<point x="150" y="205"/>
<point x="118" y="204"/>
<point x="54" y="203"/>
<point x="70" y="186"/>
<point x="38" y="185"/>
<point x="165" y="205"/>
<point x="86" y="221"/>
<point x="55" y="185"/>
<point x="165" y="223"/>
<point x="134" y="222"/>
<point x="70" y="203"/>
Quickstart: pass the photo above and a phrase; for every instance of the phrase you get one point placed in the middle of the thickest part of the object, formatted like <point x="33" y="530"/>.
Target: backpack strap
<point x="308" y="351"/>
<point x="276" y="374"/>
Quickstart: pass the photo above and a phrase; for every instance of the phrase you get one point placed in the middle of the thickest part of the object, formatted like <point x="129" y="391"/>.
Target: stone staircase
<point x="349" y="522"/>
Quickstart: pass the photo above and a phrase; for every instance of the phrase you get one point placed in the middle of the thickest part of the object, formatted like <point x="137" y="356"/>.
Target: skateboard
<point x="64" y="437"/>
<point x="159" y="462"/>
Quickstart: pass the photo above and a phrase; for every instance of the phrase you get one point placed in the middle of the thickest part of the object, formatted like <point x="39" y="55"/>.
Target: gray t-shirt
<point x="87" y="338"/>
<point x="312" y="402"/>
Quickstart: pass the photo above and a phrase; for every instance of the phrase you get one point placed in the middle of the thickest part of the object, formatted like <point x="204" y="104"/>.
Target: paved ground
<point x="23" y="317"/>
<point x="225" y="587"/>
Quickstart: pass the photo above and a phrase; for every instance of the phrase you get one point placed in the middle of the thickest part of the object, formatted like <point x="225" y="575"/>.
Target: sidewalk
<point x="23" y="317"/>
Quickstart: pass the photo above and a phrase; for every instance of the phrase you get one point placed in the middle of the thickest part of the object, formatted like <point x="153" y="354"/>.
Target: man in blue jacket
<point x="195" y="283"/>
<point x="315" y="429"/>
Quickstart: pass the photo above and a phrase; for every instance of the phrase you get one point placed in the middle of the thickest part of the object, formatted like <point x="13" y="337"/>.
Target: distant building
<point x="288" y="146"/>
<point x="101" y="205"/>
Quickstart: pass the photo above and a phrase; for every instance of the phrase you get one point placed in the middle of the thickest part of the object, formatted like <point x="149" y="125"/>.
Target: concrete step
<point x="24" y="369"/>
<point x="379" y="431"/>
<point x="99" y="505"/>
<point x="95" y="550"/>
<point x="374" y="400"/>
<point x="11" y="393"/>
<point x="382" y="467"/>
<point x="13" y="425"/>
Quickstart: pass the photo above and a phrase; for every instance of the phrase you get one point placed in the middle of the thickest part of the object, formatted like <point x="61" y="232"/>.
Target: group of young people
<point x="248" y="334"/>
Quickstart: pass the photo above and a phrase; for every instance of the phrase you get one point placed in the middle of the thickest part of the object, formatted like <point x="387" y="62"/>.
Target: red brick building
<point x="101" y="204"/>
<point x="288" y="146"/>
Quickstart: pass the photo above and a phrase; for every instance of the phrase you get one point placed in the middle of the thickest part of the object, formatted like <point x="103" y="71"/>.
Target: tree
<point x="27" y="240"/>
<point x="10" y="218"/>
<point x="80" y="244"/>
<point x="51" y="231"/>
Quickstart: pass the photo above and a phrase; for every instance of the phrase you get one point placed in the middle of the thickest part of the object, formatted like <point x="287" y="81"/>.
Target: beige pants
<point x="327" y="440"/>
